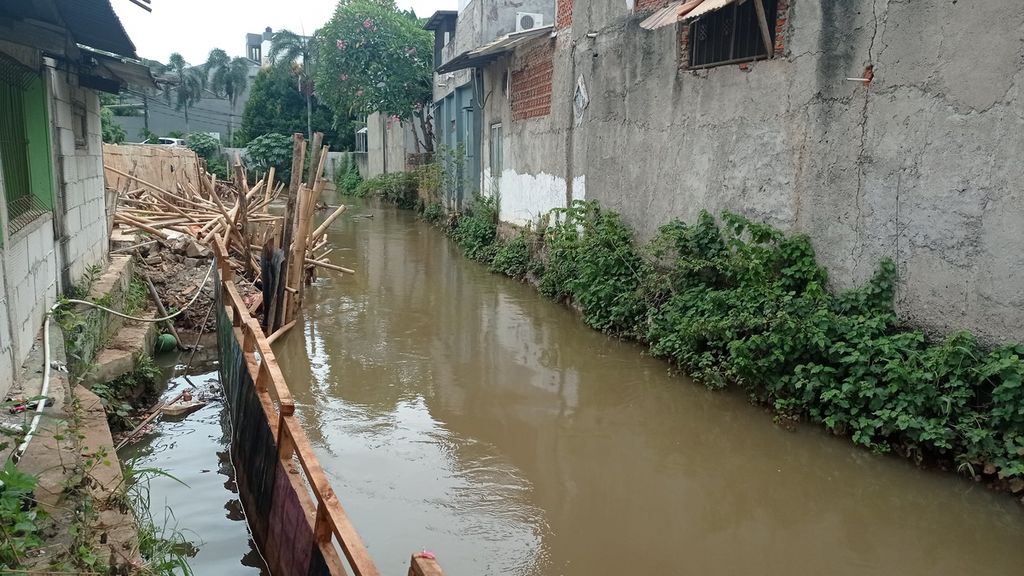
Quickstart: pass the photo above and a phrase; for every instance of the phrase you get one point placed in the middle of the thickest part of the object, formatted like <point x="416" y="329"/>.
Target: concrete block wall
<point x="921" y="165"/>
<point x="79" y="173"/>
<point x="30" y="270"/>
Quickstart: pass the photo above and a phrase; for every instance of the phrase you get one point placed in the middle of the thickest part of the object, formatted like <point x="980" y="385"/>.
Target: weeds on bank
<point x="20" y="520"/>
<point x="163" y="547"/>
<point x="737" y="302"/>
<point x="118" y="395"/>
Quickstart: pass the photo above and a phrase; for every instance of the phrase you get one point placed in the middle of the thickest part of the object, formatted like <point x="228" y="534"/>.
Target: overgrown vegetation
<point x="163" y="547"/>
<point x="346" y="176"/>
<point x="120" y="395"/>
<point x="271" y="150"/>
<point x="736" y="302"/>
<point x="20" y="520"/>
<point x="398" y="188"/>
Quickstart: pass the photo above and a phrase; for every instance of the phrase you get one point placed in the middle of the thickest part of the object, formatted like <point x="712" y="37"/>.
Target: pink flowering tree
<point x="377" y="58"/>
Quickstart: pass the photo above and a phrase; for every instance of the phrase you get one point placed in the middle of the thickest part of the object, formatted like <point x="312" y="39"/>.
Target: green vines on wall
<point x="736" y="302"/>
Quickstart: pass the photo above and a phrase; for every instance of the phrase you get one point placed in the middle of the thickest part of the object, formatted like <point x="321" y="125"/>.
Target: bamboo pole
<point x="327" y="222"/>
<point x="145" y="227"/>
<point x="330" y="266"/>
<point x="298" y="156"/>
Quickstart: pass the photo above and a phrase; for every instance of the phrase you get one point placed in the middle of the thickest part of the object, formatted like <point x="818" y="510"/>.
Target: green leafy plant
<point x="476" y="231"/>
<point x="204" y="145"/>
<point x="433" y="212"/>
<point x="271" y="150"/>
<point x="113" y="133"/>
<point x="20" y="519"/>
<point x="347" y="178"/>
<point x="513" y="258"/>
<point x="118" y="396"/>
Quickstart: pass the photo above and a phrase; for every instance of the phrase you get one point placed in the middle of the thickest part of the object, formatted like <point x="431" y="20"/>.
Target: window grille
<point x="730" y="35"/>
<point x="22" y="208"/>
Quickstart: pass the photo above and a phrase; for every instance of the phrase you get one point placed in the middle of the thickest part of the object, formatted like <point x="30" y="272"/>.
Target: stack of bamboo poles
<point x="238" y="214"/>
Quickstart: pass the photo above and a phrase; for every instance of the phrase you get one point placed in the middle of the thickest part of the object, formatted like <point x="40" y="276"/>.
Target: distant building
<point x="257" y="47"/>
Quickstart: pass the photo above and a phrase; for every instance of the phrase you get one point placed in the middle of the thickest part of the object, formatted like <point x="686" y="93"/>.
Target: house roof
<point x="94" y="23"/>
<point x="438" y="19"/>
<point x="492" y="51"/>
<point x="123" y="69"/>
<point x="90" y="22"/>
<point x="683" y="10"/>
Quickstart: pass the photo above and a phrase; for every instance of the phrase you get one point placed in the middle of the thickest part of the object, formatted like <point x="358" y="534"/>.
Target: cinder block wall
<point x="79" y="167"/>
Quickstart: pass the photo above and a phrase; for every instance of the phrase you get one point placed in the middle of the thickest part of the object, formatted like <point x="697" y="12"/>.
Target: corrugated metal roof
<point x="488" y="52"/>
<point x="439" y="19"/>
<point x="707" y="7"/>
<point x="122" y="69"/>
<point x="670" y="14"/>
<point x="94" y="23"/>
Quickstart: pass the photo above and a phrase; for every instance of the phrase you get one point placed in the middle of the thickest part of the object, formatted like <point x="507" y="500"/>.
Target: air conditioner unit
<point x="528" y="21"/>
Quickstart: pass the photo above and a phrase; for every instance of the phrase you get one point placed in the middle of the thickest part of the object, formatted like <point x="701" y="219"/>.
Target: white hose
<point x="41" y="403"/>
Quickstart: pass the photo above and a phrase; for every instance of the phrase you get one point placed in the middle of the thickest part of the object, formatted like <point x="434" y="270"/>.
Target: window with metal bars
<point x="20" y="116"/>
<point x="731" y="35"/>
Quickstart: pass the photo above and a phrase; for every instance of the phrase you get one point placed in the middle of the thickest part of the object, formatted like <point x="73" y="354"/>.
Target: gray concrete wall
<point x="921" y="166"/>
<point x="388" y="144"/>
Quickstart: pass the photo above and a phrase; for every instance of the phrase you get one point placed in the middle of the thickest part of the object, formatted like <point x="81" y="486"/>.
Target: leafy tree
<point x="274" y="105"/>
<point x="271" y="150"/>
<point x="204" y="145"/>
<point x="376" y="58"/>
<point x="228" y="77"/>
<point x="299" y="54"/>
<point x="189" y="80"/>
<point x="113" y="133"/>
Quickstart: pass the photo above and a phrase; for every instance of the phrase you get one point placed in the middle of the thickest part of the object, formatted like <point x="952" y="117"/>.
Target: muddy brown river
<point x="460" y="412"/>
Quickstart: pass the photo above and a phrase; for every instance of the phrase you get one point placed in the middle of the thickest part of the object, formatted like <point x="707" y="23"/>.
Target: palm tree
<point x="190" y="82"/>
<point x="299" y="55"/>
<point x="227" y="76"/>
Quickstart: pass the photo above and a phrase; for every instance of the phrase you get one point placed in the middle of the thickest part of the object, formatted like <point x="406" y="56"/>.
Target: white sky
<point x="194" y="27"/>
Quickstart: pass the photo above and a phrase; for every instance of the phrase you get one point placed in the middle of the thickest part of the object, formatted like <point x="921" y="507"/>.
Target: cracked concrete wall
<point x="921" y="166"/>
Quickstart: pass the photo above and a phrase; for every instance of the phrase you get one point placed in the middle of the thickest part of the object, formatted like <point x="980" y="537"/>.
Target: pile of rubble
<point x="172" y="234"/>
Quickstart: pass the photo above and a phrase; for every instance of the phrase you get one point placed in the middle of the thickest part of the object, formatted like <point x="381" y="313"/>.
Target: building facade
<point x="55" y="57"/>
<point x="868" y="126"/>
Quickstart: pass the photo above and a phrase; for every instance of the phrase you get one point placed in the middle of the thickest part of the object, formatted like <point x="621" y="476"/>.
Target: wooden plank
<point x="350" y="542"/>
<point x="330" y="266"/>
<point x="277" y="383"/>
<point x="423" y="564"/>
<point x="314" y="170"/>
<point x="298" y="153"/>
<point x="762" y="22"/>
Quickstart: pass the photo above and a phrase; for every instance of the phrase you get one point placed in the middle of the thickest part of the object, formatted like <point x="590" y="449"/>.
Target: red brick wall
<point x="646" y="5"/>
<point x="780" y="27"/>
<point x="563" y="19"/>
<point x="531" y="83"/>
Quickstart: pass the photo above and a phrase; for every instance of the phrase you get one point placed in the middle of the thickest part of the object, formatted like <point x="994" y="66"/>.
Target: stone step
<point x="121" y="355"/>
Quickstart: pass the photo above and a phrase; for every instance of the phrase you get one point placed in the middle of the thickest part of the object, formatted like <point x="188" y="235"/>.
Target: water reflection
<point x="461" y="412"/>
<point x="195" y="451"/>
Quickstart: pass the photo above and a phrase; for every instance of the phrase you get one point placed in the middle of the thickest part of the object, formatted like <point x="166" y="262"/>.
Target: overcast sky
<point x="194" y="27"/>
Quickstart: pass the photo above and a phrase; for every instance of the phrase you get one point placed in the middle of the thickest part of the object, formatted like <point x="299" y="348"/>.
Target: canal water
<point x="195" y="495"/>
<point x="460" y="412"/>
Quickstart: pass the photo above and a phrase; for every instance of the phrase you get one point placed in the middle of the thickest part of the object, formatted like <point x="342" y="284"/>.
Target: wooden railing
<point x="331" y="525"/>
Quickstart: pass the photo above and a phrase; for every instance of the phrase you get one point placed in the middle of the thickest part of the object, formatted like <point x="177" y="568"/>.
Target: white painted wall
<point x="525" y="198"/>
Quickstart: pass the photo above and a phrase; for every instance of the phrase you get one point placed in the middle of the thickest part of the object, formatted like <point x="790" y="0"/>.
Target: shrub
<point x="592" y="261"/>
<point x="433" y="212"/>
<point x="271" y="150"/>
<point x="476" y="230"/>
<point x="204" y="145"/>
<point x="346" y="177"/>
<point x="512" y="258"/>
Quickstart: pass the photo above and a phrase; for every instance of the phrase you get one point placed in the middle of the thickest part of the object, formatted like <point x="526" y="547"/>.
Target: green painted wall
<point x="37" y="128"/>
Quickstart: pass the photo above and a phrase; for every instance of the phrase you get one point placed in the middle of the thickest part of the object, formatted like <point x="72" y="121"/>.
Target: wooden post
<point x="318" y="140"/>
<point x="298" y="153"/>
<point x="285" y="443"/>
<point x="298" y="255"/>
<point x="762" y="21"/>
<point x="268" y="189"/>
<point x="160" y="308"/>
